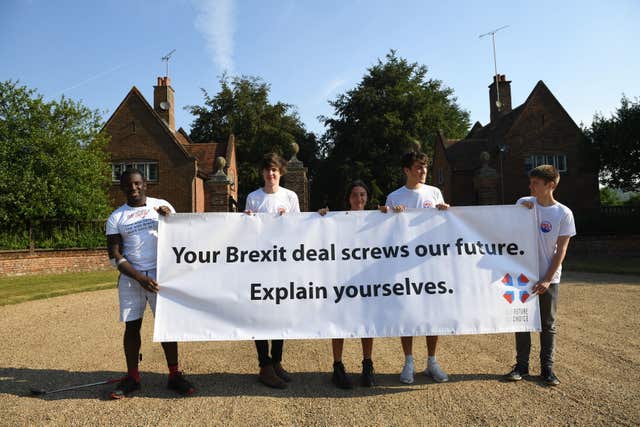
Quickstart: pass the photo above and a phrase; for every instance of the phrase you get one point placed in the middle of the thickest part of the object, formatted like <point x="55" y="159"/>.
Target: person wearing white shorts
<point x="134" y="298"/>
<point x="132" y="243"/>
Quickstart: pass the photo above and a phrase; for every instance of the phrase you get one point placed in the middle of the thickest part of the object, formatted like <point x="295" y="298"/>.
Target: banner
<point x="232" y="276"/>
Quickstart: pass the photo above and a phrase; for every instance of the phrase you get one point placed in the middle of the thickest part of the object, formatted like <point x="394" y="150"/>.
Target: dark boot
<point x="269" y="378"/>
<point x="340" y="377"/>
<point x="367" y="379"/>
<point x="284" y="375"/>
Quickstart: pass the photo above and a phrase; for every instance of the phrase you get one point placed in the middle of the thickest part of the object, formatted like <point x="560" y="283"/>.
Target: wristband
<point x="120" y="261"/>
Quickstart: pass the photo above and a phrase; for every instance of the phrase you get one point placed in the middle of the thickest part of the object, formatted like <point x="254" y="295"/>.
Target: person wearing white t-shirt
<point x="555" y="227"/>
<point x="415" y="194"/>
<point x="132" y="244"/>
<point x="272" y="199"/>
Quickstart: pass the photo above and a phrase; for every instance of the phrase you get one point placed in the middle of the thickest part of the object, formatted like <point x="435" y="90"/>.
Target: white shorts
<point x="133" y="297"/>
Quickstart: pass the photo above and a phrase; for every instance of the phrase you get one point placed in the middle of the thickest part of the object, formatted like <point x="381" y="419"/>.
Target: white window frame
<point x="556" y="160"/>
<point x="149" y="170"/>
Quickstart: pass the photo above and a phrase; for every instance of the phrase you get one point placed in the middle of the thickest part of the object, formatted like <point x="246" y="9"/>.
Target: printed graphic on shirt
<point x="142" y="225"/>
<point x="427" y="204"/>
<point x="545" y="226"/>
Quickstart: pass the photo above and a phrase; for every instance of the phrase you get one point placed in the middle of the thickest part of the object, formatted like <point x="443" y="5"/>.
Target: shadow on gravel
<point x="19" y="382"/>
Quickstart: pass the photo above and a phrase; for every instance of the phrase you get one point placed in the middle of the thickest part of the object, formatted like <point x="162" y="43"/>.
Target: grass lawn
<point x="14" y="290"/>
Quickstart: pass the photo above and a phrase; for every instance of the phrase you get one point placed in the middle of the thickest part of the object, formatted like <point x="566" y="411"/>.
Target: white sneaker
<point x="436" y="372"/>
<point x="406" y="376"/>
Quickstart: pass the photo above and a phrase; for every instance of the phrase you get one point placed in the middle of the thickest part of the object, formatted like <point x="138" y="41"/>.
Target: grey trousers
<point x="548" y="305"/>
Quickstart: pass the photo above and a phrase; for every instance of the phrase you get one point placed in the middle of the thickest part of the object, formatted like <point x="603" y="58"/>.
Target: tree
<point x="617" y="140"/>
<point x="242" y="107"/>
<point x="393" y="108"/>
<point x="609" y="197"/>
<point x="52" y="159"/>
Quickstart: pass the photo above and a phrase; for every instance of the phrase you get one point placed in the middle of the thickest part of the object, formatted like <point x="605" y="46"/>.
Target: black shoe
<point x="517" y="373"/>
<point x="340" y="377"/>
<point x="125" y="387"/>
<point x="178" y="383"/>
<point x="549" y="377"/>
<point x="367" y="379"/>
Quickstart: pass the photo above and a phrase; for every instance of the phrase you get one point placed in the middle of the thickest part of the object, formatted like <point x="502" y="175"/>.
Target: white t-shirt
<point x="426" y="196"/>
<point x="553" y="221"/>
<point x="259" y="201"/>
<point x="138" y="227"/>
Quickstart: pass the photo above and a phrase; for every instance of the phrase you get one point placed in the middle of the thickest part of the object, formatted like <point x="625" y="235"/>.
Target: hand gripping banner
<point x="231" y="276"/>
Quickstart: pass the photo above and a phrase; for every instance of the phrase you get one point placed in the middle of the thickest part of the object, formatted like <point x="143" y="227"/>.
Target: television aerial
<point x="166" y="59"/>
<point x="495" y="64"/>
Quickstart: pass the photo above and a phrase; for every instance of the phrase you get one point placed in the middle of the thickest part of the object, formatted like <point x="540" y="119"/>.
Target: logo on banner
<point x="545" y="226"/>
<point x="516" y="290"/>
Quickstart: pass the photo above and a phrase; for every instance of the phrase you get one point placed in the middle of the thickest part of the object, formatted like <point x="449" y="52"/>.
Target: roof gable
<point x="135" y="95"/>
<point x="543" y="93"/>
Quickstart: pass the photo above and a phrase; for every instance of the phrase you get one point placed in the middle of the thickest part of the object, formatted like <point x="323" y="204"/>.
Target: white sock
<point x="408" y="358"/>
<point x="431" y="359"/>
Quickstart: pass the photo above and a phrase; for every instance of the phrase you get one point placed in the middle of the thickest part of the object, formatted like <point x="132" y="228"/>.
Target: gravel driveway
<point x="76" y="339"/>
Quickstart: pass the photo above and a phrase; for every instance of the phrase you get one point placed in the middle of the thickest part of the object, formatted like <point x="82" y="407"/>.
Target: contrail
<point x="215" y="22"/>
<point x="97" y="76"/>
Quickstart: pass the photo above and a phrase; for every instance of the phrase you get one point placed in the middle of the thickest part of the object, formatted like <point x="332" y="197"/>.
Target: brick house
<point x="539" y="131"/>
<point x="189" y="175"/>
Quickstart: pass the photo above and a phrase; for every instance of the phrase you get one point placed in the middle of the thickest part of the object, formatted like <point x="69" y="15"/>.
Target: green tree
<point x="52" y="159"/>
<point x="609" y="197"/>
<point x="242" y="107"/>
<point x="617" y="140"/>
<point x="393" y="108"/>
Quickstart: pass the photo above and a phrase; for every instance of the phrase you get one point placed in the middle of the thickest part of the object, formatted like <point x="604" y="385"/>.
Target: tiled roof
<point x="206" y="153"/>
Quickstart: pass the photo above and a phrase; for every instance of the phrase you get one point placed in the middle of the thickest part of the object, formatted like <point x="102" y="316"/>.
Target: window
<point x="148" y="169"/>
<point x="557" y="160"/>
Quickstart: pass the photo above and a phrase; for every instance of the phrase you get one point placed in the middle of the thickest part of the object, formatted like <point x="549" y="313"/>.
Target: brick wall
<point x="609" y="245"/>
<point x="19" y="263"/>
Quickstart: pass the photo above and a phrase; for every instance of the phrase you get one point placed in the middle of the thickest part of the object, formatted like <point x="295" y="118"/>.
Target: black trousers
<point x="548" y="305"/>
<point x="263" y="352"/>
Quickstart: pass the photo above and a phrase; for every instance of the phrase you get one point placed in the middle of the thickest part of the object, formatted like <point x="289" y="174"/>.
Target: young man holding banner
<point x="556" y="227"/>
<point x="272" y="199"/>
<point x="416" y="194"/>
<point x="132" y="243"/>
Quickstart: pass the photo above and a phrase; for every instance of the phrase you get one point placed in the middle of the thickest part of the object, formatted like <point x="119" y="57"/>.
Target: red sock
<point x="173" y="370"/>
<point x="134" y="373"/>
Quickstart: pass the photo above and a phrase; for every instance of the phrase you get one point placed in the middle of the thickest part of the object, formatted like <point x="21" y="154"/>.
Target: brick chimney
<point x="163" y="101"/>
<point x="504" y="87"/>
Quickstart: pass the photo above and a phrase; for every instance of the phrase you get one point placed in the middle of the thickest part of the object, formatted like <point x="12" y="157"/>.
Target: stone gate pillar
<point x="218" y="193"/>
<point x="297" y="179"/>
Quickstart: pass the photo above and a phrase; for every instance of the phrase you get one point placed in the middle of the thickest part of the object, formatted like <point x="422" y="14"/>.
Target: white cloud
<point x="215" y="22"/>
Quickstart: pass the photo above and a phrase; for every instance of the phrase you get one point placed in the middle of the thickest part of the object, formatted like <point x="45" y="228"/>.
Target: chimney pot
<point x="501" y="84"/>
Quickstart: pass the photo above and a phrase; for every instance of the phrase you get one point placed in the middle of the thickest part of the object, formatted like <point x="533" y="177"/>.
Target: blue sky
<point x="310" y="51"/>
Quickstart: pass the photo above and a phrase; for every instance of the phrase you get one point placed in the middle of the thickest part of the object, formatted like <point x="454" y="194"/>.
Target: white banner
<point x="229" y="276"/>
